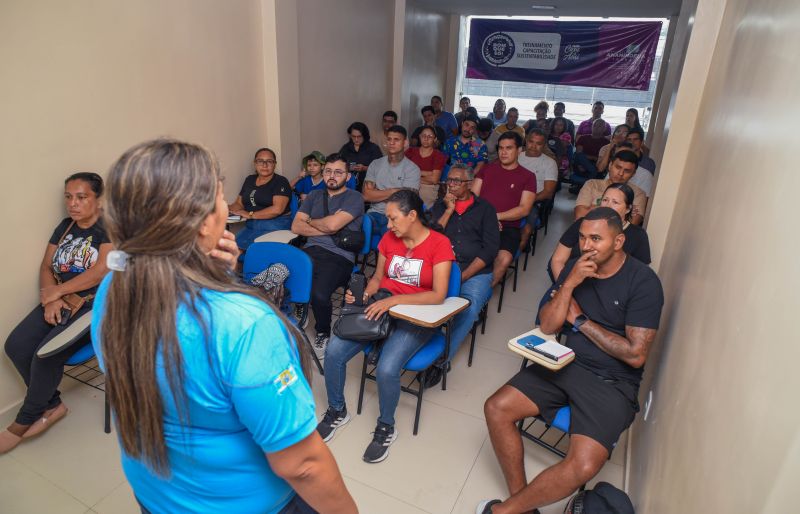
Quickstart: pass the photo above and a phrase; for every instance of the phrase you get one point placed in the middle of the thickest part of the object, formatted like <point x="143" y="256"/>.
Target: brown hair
<point x="158" y="195"/>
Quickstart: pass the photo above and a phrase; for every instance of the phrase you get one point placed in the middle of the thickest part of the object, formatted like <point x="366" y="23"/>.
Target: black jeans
<point x="41" y="375"/>
<point x="331" y="271"/>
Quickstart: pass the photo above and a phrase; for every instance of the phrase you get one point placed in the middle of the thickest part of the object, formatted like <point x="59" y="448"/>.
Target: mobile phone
<point x="358" y="283"/>
<point x="65" y="315"/>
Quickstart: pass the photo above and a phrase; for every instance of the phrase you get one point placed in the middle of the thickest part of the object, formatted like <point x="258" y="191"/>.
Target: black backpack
<point x="603" y="499"/>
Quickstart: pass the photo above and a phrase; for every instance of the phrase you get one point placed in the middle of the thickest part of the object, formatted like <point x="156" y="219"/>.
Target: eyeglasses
<point x="265" y="162"/>
<point x="427" y="136"/>
<point x="457" y="181"/>
<point x="338" y="173"/>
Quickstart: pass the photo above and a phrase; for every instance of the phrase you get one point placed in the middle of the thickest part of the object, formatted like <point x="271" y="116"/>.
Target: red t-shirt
<point x="411" y="271"/>
<point x="435" y="161"/>
<point x="503" y="188"/>
<point x="592" y="145"/>
<point x="463" y="205"/>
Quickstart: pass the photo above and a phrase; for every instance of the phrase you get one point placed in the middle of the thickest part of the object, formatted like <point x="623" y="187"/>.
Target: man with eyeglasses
<point x="471" y="225"/>
<point x="332" y="264"/>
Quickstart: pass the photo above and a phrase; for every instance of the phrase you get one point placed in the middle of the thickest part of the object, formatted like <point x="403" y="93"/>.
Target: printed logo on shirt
<point x="405" y="270"/>
<point x="74" y="255"/>
<point x="285" y="378"/>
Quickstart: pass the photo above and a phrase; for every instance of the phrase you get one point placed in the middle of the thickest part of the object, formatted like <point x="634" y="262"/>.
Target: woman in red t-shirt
<point x="431" y="162"/>
<point x="414" y="265"/>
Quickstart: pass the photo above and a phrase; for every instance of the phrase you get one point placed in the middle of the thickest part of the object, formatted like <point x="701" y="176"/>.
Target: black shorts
<point x="509" y="239"/>
<point x="599" y="409"/>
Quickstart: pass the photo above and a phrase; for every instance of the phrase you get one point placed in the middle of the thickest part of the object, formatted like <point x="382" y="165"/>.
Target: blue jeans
<point x="584" y="169"/>
<point x="379" y="222"/>
<point x="478" y="290"/>
<point x="255" y="228"/>
<point x="399" y="347"/>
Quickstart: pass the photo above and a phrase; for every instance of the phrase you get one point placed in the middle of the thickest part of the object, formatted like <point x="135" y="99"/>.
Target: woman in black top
<point x="74" y="263"/>
<point x="359" y="151"/>
<point x="263" y="200"/>
<point x="620" y="198"/>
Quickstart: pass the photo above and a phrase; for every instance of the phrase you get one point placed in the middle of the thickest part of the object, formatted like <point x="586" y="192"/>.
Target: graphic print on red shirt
<point x="411" y="271"/>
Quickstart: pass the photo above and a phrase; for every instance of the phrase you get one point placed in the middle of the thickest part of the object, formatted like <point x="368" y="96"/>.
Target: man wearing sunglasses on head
<point x="332" y="264"/>
<point x="470" y="223"/>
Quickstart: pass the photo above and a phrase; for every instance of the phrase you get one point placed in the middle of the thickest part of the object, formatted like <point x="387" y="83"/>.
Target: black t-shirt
<point x="78" y="250"/>
<point x="366" y="153"/>
<point x="631" y="297"/>
<point x="255" y="198"/>
<point x="637" y="244"/>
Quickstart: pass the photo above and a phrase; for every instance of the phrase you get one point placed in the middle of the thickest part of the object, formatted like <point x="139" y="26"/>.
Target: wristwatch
<point x="580" y="319"/>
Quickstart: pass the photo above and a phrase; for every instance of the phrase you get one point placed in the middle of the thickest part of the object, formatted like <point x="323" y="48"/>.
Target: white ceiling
<point x="609" y="8"/>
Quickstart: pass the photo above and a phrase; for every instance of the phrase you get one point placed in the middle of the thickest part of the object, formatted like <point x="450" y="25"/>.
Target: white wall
<point x="722" y="432"/>
<point x="84" y="80"/>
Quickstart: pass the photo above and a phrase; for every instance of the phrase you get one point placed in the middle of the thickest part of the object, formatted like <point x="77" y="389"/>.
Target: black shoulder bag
<point x="348" y="240"/>
<point x="353" y="324"/>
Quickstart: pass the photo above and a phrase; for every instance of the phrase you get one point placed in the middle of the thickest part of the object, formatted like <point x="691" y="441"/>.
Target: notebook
<point x="541" y="349"/>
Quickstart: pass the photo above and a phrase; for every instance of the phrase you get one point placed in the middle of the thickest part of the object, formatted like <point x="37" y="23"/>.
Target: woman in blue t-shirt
<point x="73" y="264"/>
<point x="263" y="200"/>
<point x="206" y="381"/>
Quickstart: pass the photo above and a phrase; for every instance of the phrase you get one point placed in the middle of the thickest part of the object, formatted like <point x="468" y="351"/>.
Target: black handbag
<point x="353" y="324"/>
<point x="348" y="240"/>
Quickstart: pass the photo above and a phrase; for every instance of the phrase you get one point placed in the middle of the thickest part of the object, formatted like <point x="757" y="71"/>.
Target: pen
<point x="548" y="355"/>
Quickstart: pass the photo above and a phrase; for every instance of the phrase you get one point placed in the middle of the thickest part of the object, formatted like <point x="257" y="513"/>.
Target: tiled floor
<point x="447" y="468"/>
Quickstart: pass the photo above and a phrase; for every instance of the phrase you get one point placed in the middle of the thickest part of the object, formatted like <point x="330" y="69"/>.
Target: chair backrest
<point x="454" y="285"/>
<point x="366" y="227"/>
<point x="261" y="256"/>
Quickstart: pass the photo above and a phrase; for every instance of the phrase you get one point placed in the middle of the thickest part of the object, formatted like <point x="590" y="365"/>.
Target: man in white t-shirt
<point x="546" y="171"/>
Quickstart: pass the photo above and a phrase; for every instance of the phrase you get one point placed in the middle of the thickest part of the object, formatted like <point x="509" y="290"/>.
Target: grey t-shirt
<point x="405" y="174"/>
<point x="349" y="201"/>
<point x="544" y="167"/>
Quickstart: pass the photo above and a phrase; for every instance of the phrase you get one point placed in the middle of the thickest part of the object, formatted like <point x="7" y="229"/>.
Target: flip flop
<point x="46" y="421"/>
<point x="8" y="441"/>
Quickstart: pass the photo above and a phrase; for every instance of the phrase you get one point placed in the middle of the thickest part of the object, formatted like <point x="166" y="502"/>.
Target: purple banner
<point x="616" y="55"/>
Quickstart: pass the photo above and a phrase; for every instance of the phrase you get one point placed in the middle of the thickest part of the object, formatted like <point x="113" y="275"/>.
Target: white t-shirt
<point x="543" y="167"/>
<point x="642" y="178"/>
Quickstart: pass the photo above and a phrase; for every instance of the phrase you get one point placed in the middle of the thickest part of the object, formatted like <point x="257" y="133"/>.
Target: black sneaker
<point x="320" y="342"/>
<point x="378" y="449"/>
<point x="331" y="422"/>
<point x="485" y="507"/>
<point x="298" y="314"/>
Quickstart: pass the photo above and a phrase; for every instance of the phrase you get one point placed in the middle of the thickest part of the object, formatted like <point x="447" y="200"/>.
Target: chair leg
<point x="525" y="266"/>
<point x="313" y="353"/>
<point x="419" y="402"/>
<point x="472" y="342"/>
<point x="485" y="317"/>
<point x="363" y="381"/>
<point x="106" y="414"/>
<point x="516" y="267"/>
<point x="502" y="291"/>
<point x="533" y="241"/>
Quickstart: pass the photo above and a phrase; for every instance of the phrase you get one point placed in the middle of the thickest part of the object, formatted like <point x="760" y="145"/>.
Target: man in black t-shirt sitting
<point x="613" y="304"/>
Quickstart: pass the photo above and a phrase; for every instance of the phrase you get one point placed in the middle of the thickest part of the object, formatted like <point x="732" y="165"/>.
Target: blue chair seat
<point x="562" y="419"/>
<point x="428" y="354"/>
<point x="81" y="356"/>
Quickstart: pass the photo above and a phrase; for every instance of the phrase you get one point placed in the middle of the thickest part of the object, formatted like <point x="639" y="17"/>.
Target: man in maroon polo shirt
<point x="511" y="189"/>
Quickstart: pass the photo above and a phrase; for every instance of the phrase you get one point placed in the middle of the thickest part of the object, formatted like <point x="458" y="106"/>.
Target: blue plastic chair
<point x="79" y="358"/>
<point x="260" y="256"/>
<point x="437" y="347"/>
<point x="294" y="205"/>
<point x="366" y="228"/>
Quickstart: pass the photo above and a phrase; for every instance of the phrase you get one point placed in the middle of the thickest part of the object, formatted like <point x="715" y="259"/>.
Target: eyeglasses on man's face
<point x="337" y="173"/>
<point x="457" y="181"/>
<point x="265" y="162"/>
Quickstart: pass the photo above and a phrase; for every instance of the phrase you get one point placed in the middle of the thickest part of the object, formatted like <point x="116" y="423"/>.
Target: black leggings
<point x="41" y="375"/>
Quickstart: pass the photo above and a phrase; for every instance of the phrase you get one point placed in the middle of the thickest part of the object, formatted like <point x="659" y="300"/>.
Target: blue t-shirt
<point x="448" y="122"/>
<point x="245" y="396"/>
<point x="305" y="185"/>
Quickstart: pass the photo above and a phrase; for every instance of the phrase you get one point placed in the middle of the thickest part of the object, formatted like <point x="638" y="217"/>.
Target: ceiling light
<point x="543" y="7"/>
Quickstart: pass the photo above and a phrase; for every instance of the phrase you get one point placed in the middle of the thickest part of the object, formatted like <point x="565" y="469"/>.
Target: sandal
<point x="48" y="419"/>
